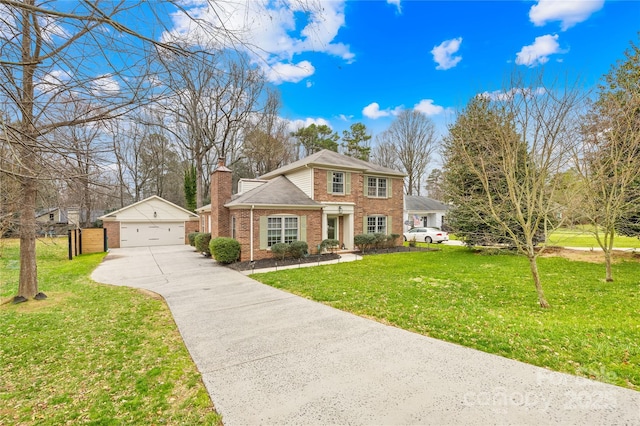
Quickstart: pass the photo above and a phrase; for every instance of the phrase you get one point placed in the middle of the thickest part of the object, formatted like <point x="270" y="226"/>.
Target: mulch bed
<point x="272" y="263"/>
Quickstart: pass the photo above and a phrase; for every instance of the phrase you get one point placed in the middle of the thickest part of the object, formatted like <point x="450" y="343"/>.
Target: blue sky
<point x="341" y="62"/>
<point x="394" y="64"/>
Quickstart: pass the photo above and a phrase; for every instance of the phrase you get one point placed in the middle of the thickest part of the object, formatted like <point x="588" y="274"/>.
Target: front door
<point x="332" y="228"/>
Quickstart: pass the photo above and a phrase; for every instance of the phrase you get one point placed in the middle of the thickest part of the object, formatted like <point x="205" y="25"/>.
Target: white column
<point x="325" y="226"/>
<point x="348" y="231"/>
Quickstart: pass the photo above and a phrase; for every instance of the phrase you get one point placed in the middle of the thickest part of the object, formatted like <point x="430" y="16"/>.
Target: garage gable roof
<point x="153" y="208"/>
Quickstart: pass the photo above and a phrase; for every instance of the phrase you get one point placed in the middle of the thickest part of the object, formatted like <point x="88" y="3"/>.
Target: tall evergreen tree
<point x="190" y="188"/>
<point x="355" y="142"/>
<point x="314" y="138"/>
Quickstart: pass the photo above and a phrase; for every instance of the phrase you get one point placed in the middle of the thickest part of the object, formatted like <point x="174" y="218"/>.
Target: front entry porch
<point x="337" y="224"/>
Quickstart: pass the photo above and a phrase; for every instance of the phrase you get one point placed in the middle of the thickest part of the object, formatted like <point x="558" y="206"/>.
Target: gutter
<point x="251" y="233"/>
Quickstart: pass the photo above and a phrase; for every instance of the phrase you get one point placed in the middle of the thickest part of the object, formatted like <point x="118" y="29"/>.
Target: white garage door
<point x="142" y="234"/>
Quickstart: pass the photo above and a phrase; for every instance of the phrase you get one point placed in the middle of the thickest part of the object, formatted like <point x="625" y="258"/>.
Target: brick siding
<point x="113" y="234"/>
<point x="189" y="227"/>
<point x="365" y="206"/>
<point x="243" y="230"/>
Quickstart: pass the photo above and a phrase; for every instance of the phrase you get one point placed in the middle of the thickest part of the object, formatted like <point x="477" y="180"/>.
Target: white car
<point x="428" y="235"/>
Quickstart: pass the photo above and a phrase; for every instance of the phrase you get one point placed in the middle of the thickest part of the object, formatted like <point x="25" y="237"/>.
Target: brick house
<point x="325" y="195"/>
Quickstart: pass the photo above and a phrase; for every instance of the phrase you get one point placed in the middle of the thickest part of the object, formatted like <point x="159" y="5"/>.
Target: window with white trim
<point x="376" y="225"/>
<point x="338" y="183"/>
<point x="376" y="187"/>
<point x="282" y="230"/>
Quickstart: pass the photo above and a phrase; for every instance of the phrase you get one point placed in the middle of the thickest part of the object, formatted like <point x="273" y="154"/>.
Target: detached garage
<point x="151" y="222"/>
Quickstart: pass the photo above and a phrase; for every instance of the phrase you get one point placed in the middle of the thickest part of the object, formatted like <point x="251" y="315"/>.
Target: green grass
<point x="488" y="302"/>
<point x="91" y="353"/>
<point x="583" y="237"/>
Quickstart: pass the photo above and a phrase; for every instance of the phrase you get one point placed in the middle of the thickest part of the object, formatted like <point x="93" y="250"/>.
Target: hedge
<point x="202" y="243"/>
<point x="225" y="250"/>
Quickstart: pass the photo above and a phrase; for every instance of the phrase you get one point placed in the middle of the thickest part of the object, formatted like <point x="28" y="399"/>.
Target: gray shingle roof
<point x="329" y="158"/>
<point x="418" y="203"/>
<point x="277" y="192"/>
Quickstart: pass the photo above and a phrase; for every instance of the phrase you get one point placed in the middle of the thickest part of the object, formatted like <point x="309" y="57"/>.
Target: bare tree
<point x="9" y="187"/>
<point x="50" y="54"/>
<point x="383" y="152"/>
<point x="212" y="98"/>
<point x="266" y="146"/>
<point x="412" y="137"/>
<point x="608" y="158"/>
<point x="515" y="157"/>
<point x="53" y="51"/>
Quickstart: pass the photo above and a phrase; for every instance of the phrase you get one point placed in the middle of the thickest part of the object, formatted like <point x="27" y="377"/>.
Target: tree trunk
<point x="533" y="264"/>
<point x="28" y="286"/>
<point x="607" y="262"/>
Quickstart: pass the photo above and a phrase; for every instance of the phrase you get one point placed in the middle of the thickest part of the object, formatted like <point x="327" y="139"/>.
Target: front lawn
<point x="91" y="353"/>
<point x="489" y="302"/>
<point x="583" y="237"/>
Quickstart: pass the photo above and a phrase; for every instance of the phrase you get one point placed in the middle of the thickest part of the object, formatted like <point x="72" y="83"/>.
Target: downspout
<point x="251" y="233"/>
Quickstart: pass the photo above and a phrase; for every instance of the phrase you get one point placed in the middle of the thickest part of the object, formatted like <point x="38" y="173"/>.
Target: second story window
<point x="377" y="187"/>
<point x="338" y="183"/>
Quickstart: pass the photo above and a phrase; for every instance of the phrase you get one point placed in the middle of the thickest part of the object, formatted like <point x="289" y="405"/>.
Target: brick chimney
<point x="221" y="186"/>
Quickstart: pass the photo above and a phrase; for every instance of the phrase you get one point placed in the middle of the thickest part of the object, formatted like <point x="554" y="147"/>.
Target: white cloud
<point x="374" y="112"/>
<point x="52" y="81"/>
<point x="288" y="72"/>
<point x="295" y="125"/>
<point x="345" y="117"/>
<point x="443" y="54"/>
<point x="397" y="4"/>
<point x="268" y="31"/>
<point x="538" y="53"/>
<point x="568" y="12"/>
<point x="106" y="85"/>
<point x="309" y="84"/>
<point x="499" y="95"/>
<point x="427" y="107"/>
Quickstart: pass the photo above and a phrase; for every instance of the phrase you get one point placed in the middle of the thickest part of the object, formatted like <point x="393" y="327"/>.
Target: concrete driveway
<point x="269" y="357"/>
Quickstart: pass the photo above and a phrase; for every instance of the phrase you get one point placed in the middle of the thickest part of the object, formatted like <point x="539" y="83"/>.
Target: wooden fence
<point x="88" y="240"/>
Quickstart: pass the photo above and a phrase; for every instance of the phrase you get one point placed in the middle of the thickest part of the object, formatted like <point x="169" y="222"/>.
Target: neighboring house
<point x="153" y="221"/>
<point x="423" y="211"/>
<point x="325" y="195"/>
<point x="58" y="220"/>
<point x="51" y="216"/>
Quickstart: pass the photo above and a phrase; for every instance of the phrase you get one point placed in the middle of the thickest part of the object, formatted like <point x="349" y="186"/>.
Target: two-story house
<point x="325" y="195"/>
